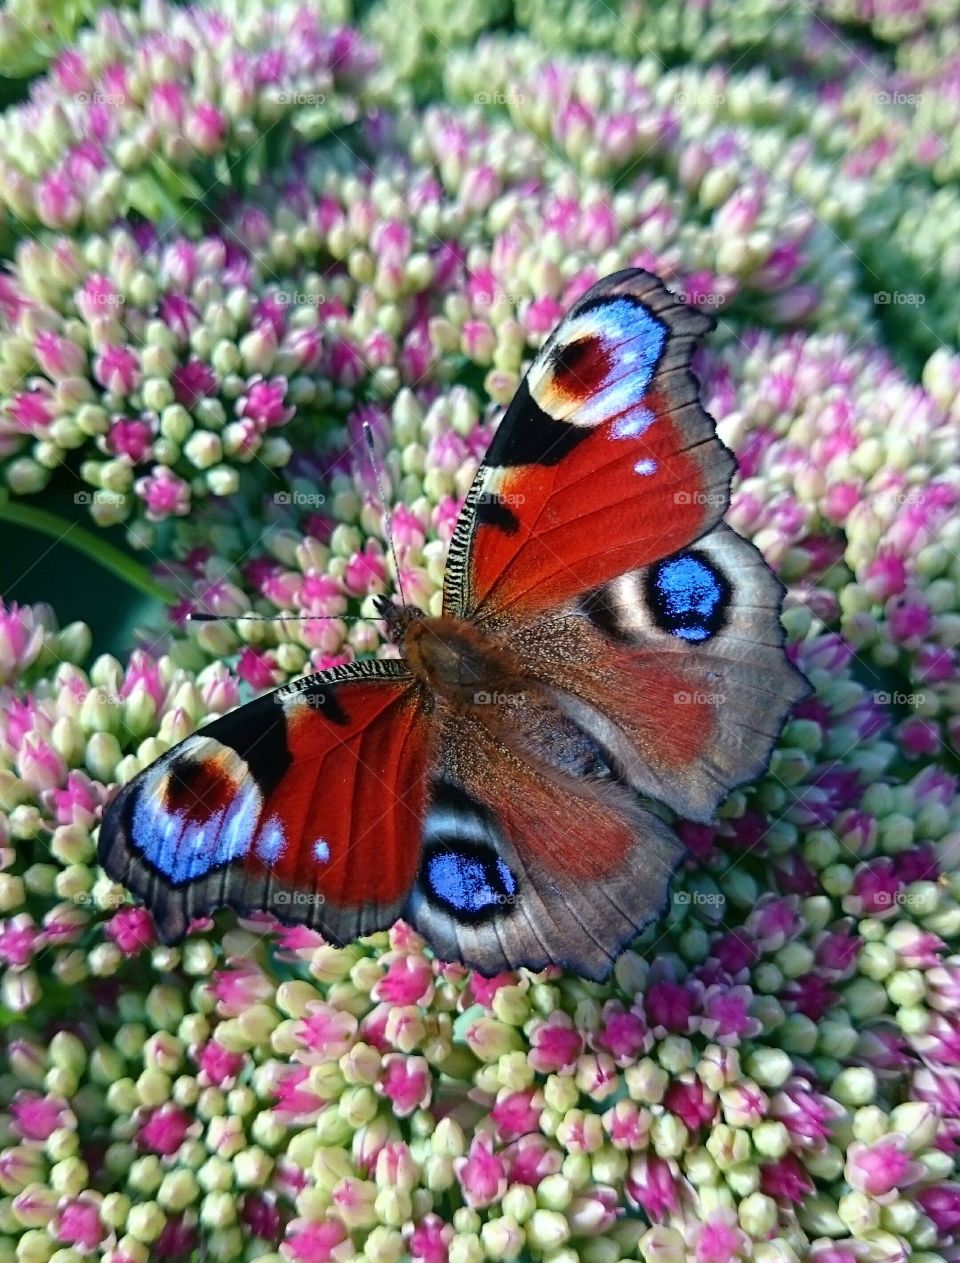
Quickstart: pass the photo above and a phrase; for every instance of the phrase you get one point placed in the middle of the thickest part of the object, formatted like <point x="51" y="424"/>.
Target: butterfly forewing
<point x="604" y="461"/>
<point x="306" y="803"/>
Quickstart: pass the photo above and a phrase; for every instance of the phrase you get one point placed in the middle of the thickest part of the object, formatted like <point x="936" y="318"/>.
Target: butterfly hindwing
<point x="529" y="862"/>
<point x="676" y="669"/>
<point x="604" y="461"/>
<point x="306" y="803"/>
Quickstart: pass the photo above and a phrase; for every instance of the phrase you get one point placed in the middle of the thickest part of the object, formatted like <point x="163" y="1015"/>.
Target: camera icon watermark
<point x="483" y="698"/>
<point x="299" y="899"/>
<point x="898" y="698"/>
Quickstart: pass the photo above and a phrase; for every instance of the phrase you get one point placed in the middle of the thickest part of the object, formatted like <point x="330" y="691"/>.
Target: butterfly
<point x="606" y="648"/>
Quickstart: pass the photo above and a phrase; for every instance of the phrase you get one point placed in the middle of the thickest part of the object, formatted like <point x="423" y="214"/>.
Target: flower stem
<point x="63" y="531"/>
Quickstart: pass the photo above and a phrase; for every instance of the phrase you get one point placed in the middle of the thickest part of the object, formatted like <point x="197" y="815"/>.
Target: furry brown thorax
<point x="454" y="658"/>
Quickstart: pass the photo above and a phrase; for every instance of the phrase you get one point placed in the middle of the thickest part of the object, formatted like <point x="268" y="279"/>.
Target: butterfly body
<point x="606" y="644"/>
<point x="458" y="661"/>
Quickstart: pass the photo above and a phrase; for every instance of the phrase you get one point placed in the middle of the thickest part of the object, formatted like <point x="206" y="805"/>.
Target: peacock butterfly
<point x="605" y="641"/>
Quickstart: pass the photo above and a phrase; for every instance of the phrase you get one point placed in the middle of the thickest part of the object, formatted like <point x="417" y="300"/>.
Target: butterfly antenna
<point x="387" y="522"/>
<point x="267" y="618"/>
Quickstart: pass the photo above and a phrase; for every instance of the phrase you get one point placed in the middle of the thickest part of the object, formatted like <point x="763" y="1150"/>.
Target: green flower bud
<point x="438" y="1172"/>
<point x="662" y="1245"/>
<point x="502" y="1238"/>
<point x="854" y="1086"/>
<point x="511" y="1005"/>
<point x="758" y="1215"/>
<point x="393" y="1207"/>
<point x="145" y="1222"/>
<point x="34" y="1246"/>
<point x="676" y="1054"/>
<point x="154" y="1087"/>
<point x="728" y="1146"/>
<point x="114" y="1210"/>
<point x="384" y="1245"/>
<point x="69" y="1178"/>
<point x="102" y="755"/>
<point x="519" y="1202"/>
<point x="770" y="1067"/>
<point x="900" y="1217"/>
<point x="178" y="1190"/>
<point x="218" y="1210"/>
<point x="146" y="1175"/>
<point x="860" y="1213"/>
<point x="646" y="1081"/>
<point x="771" y="1139"/>
<point x="668" y="1136"/>
<point x="560" y="1092"/>
<point x="917" y="1121"/>
<point x="547" y="1230"/>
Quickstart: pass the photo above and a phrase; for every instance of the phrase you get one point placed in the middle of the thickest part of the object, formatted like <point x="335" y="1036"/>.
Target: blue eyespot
<point x="468" y="882"/>
<point x="688" y="596"/>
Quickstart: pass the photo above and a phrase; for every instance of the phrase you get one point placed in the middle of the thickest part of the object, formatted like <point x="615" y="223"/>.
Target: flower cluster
<point x="767" y="1074"/>
<point x="286" y="233"/>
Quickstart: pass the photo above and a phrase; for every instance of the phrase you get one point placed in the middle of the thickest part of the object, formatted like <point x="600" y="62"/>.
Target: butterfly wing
<point x="604" y="461"/>
<point x="531" y="863"/>
<point x="677" y="670"/>
<point x="306" y="803"/>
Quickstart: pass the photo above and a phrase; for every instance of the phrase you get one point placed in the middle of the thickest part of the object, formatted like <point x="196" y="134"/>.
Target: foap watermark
<point x="506" y="499"/>
<point x="114" y="99"/>
<point x="914" y="496"/>
<point x="499" y="98"/>
<point x="701" y="299"/>
<point x="297" y="298"/>
<point x="104" y="299"/>
<point x="698" y="698"/>
<point x="106" y="697"/>
<point x="712" y="498"/>
<point x="498" y="296"/>
<point x="880" y="900"/>
<point x="483" y="698"/>
<point x="898" y="298"/>
<point x="500" y="897"/>
<point x="299" y="899"/>
<point x="108" y="899"/>
<point x="311" y="499"/>
<point x="897" y="698"/>
<point x="699" y="898"/>
<point x="700" y="97"/>
<point x="301" y="98"/>
<point x="898" y="98"/>
<point x="316" y="701"/>
<point x="100" y="496"/>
